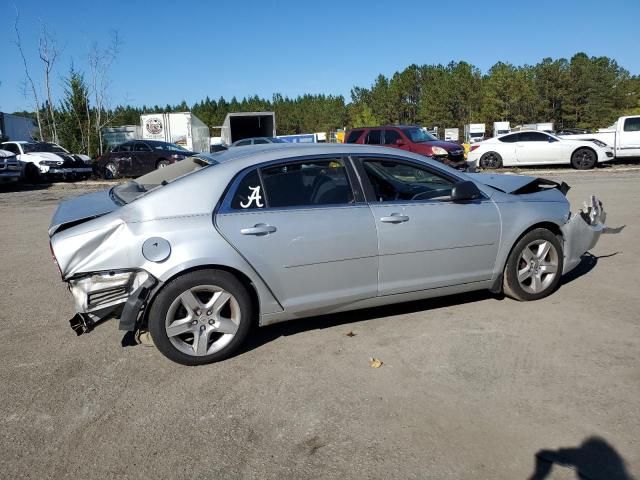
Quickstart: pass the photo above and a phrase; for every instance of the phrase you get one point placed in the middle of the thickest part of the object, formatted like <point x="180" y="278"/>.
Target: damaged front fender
<point x="582" y="231"/>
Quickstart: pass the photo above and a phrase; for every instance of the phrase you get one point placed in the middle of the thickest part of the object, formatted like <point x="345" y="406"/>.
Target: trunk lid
<point x="80" y="209"/>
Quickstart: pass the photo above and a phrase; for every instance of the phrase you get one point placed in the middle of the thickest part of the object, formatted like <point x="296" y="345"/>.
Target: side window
<point x="125" y="147"/>
<point x="632" y="124"/>
<point x="509" y="138"/>
<point x="373" y="137"/>
<point x="115" y="149"/>
<point x="259" y="141"/>
<point x="398" y="181"/>
<point x="354" y="135"/>
<point x="141" y="147"/>
<point x="533" y="137"/>
<point x="249" y="194"/>
<point x="243" y="143"/>
<point x="312" y="182"/>
<point x="11" y="147"/>
<point x="390" y="137"/>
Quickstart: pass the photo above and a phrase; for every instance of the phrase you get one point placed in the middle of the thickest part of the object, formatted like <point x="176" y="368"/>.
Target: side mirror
<point x="464" y="191"/>
<point x="400" y="142"/>
<point x="551" y="139"/>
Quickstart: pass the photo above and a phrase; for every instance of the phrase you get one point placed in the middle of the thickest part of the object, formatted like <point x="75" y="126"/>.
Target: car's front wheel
<point x="583" y="159"/>
<point x="201" y="317"/>
<point x="534" y="266"/>
<point x="162" y="163"/>
<point x="110" y="171"/>
<point x="491" y="160"/>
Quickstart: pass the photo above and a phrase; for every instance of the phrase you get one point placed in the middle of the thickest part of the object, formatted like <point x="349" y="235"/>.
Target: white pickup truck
<point x="623" y="136"/>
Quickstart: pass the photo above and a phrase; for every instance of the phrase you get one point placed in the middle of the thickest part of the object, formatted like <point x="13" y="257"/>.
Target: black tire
<point x="491" y="160"/>
<point x="32" y="173"/>
<point x="110" y="171"/>
<point x="170" y="294"/>
<point x="518" y="290"/>
<point x="583" y="159"/>
<point x="162" y="163"/>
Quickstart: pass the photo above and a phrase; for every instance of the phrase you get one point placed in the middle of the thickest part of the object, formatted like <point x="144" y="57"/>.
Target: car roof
<point x="254" y="154"/>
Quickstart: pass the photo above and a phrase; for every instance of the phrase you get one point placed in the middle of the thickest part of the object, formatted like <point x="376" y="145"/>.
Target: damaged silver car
<point x="198" y="252"/>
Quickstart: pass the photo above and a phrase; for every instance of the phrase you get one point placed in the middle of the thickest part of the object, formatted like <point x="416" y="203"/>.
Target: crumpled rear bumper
<point x="582" y="231"/>
<point x="103" y="295"/>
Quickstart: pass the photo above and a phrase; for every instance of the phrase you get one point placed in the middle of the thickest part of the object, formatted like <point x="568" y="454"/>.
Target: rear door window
<point x="249" y="193"/>
<point x="259" y="141"/>
<point x="141" y="147"/>
<point x="307" y="183"/>
<point x="374" y="137"/>
<point x="509" y="138"/>
<point x="533" y="137"/>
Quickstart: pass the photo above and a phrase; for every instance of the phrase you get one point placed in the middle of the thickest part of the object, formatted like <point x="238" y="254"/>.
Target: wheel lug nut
<point x="210" y="322"/>
<point x="208" y="312"/>
<point x="198" y="312"/>
<point x="194" y="322"/>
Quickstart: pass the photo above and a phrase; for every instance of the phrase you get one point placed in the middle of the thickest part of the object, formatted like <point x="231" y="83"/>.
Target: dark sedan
<point x="137" y="157"/>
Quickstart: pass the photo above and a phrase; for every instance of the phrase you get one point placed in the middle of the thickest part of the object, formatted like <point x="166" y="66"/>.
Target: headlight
<point x="439" y="151"/>
<point x="599" y="143"/>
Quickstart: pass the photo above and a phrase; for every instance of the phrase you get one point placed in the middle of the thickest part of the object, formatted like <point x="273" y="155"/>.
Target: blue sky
<point x="175" y="50"/>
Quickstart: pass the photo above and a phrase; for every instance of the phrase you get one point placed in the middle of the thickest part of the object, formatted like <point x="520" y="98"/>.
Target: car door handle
<point x="395" y="218"/>
<point x="259" y="229"/>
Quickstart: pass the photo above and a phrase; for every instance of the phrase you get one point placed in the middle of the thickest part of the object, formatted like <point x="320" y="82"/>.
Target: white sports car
<point x="537" y="148"/>
<point x="49" y="159"/>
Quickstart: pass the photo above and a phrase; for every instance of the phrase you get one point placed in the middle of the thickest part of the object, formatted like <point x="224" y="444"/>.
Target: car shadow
<point x="594" y="459"/>
<point x="264" y="335"/>
<point x="23" y="187"/>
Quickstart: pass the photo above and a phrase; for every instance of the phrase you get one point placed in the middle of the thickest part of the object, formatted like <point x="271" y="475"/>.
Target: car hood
<point x="517" y="184"/>
<point x="78" y="209"/>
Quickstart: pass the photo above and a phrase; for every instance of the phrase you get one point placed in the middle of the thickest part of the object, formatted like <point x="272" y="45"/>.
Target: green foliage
<point x="588" y="92"/>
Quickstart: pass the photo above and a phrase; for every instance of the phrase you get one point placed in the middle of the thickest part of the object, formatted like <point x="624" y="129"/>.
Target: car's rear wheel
<point x="491" y="160"/>
<point x="110" y="171"/>
<point x="534" y="266"/>
<point x="162" y="163"/>
<point x="32" y="173"/>
<point x="201" y="317"/>
<point x="583" y="159"/>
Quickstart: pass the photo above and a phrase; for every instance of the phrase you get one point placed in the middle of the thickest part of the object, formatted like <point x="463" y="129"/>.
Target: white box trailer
<point x="113" y="136"/>
<point x="474" y="132"/>
<point x="181" y="128"/>
<point x="451" y="134"/>
<point x="545" y="127"/>
<point x="239" y="125"/>
<point x="501" y="128"/>
<point x="17" y="128"/>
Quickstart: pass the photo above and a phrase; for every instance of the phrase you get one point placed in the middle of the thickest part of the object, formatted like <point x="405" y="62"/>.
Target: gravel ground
<point x="472" y="386"/>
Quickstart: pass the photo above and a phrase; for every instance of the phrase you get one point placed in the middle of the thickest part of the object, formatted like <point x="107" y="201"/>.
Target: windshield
<point x="42" y="147"/>
<point x="128" y="192"/>
<point x="417" y="135"/>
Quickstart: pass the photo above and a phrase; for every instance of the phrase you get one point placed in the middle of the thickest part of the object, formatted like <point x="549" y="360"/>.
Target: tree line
<point x="586" y="92"/>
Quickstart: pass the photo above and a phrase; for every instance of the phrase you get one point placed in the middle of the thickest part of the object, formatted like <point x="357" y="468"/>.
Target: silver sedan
<point x="198" y="252"/>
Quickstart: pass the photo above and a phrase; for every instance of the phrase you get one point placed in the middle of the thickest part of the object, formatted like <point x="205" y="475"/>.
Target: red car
<point x="412" y="139"/>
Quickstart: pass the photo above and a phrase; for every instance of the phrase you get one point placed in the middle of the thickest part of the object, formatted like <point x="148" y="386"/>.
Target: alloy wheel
<point x="537" y="266"/>
<point x="202" y="320"/>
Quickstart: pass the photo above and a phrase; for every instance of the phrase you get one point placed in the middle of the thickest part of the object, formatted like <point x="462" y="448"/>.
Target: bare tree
<point x="48" y="54"/>
<point x="31" y="84"/>
<point x="100" y="62"/>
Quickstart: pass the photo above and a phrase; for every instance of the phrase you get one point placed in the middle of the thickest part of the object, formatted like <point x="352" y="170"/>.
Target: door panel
<point x="441" y="244"/>
<point x="628" y="141"/>
<point x="424" y="239"/>
<point x="534" y="147"/>
<point x="315" y="257"/>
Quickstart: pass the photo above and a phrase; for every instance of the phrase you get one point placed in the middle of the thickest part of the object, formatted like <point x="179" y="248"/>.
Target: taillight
<point x="53" y="255"/>
<point x="473" y="147"/>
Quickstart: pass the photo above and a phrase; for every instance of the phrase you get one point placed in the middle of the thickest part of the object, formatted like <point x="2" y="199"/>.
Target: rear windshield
<point x="128" y="192"/>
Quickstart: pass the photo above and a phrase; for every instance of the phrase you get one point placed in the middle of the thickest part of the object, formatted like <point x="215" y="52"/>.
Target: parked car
<point x="412" y="139"/>
<point x="138" y="157"/>
<point x="45" y="159"/>
<point x="10" y="167"/>
<point x="201" y="250"/>
<point x="257" y="141"/>
<point x="529" y="147"/>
